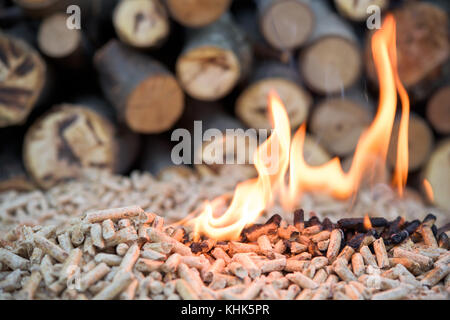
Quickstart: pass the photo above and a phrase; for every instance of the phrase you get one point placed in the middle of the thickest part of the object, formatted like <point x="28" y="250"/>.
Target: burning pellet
<point x="310" y="231"/>
<point x="65" y="242"/>
<point x="320" y="276"/>
<point x="113" y="214"/>
<point x="171" y="264"/>
<point x="434" y="276"/>
<point x="30" y="287"/>
<point x="253" y="232"/>
<point x="178" y="234"/>
<point x="323" y="245"/>
<point x="296" y="265"/>
<point x="291" y="292"/>
<point x="158" y="236"/>
<point x="116" y="287"/>
<point x="346" y="253"/>
<point x="50" y="248"/>
<point x="368" y="257"/>
<point x="381" y="254"/>
<point x="237" y="269"/>
<point x="108" y="258"/>
<point x="393" y="294"/>
<point x="46" y="268"/>
<point x="357" y="224"/>
<point x="108" y="230"/>
<point x="321" y="236"/>
<point x="444" y="241"/>
<point x="121" y="249"/>
<point x="93" y="276"/>
<point x="96" y="236"/>
<point x="428" y="236"/>
<point x="272" y="265"/>
<point x="323" y="292"/>
<point x="297" y="247"/>
<point x="70" y="266"/>
<point x="305" y="294"/>
<point x="12" y="260"/>
<point x="301" y="256"/>
<point x="424" y="262"/>
<point x="358" y="264"/>
<point x="302" y="280"/>
<point x="152" y="255"/>
<point x="299" y="218"/>
<point x="342" y="270"/>
<point x="239" y="247"/>
<point x="130" y="292"/>
<point x="334" y="244"/>
<point x="265" y="246"/>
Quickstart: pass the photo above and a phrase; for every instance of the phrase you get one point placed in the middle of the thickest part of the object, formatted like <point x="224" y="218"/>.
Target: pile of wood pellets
<point x="129" y="253"/>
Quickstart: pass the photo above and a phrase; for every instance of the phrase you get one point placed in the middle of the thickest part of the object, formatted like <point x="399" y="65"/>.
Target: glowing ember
<point x="276" y="155"/>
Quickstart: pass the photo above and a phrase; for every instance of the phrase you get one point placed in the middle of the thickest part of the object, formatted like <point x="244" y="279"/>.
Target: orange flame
<point x="367" y="223"/>
<point x="253" y="196"/>
<point x="428" y="190"/>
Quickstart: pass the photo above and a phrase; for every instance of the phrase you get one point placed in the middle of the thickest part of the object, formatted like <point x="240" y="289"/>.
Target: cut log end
<point x="56" y="40"/>
<point x="63" y="142"/>
<point x="437" y="173"/>
<point x="208" y="73"/>
<point x="23" y="73"/>
<point x="438" y="110"/>
<point x="144" y="112"/>
<point x="313" y="153"/>
<point x="141" y="23"/>
<point x="197" y="13"/>
<point x="357" y="10"/>
<point x="286" y="24"/>
<point x="339" y="122"/>
<point x="251" y="106"/>
<point x="331" y="64"/>
<point x="420" y="143"/>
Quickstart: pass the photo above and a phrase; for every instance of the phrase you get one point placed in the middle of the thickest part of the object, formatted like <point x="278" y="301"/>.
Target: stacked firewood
<point x="83" y="98"/>
<point x="128" y="253"/>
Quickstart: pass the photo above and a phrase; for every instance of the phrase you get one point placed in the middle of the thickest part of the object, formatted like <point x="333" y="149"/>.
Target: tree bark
<point x="146" y="95"/>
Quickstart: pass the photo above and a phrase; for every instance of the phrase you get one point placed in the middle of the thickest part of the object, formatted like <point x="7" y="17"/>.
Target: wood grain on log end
<point x="197" y="13"/>
<point x="437" y="173"/>
<point x="331" y="64"/>
<point x="357" y="10"/>
<point x="64" y="141"/>
<point x="56" y="40"/>
<point x="22" y="78"/>
<point x="252" y="104"/>
<point x="438" y="110"/>
<point x="208" y="73"/>
<point x="339" y="122"/>
<point x="285" y="24"/>
<point x="141" y="23"/>
<point x="420" y="143"/>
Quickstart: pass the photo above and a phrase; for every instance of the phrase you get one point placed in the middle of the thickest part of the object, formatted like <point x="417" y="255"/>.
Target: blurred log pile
<point x="108" y="94"/>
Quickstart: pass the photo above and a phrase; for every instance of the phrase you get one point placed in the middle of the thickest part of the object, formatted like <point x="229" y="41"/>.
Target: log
<point x="438" y="110"/>
<point x="422" y="47"/>
<point x="339" y="122"/>
<point x="23" y="75"/>
<point x="141" y="23"/>
<point x="332" y="60"/>
<point x="420" y="143"/>
<point x="285" y="24"/>
<point x="146" y="95"/>
<point x="437" y="172"/>
<point x="41" y="8"/>
<point x="214" y="116"/>
<point x="64" y="141"/>
<point x="252" y="104"/>
<point x="12" y="172"/>
<point x="214" y="59"/>
<point x="197" y="13"/>
<point x="313" y="152"/>
<point x="357" y="10"/>
<point x="63" y="45"/>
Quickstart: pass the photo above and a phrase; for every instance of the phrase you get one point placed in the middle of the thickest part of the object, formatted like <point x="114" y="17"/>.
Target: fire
<point x="277" y="156"/>
<point x="367" y="222"/>
<point x="428" y="190"/>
